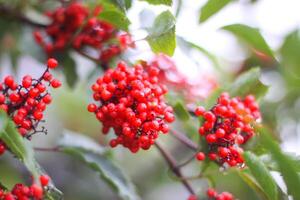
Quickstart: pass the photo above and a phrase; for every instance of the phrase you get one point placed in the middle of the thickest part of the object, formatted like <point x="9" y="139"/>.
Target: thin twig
<point x="184" y="139"/>
<point x="52" y="149"/>
<point x="173" y="166"/>
<point x="104" y="67"/>
<point x="186" y="162"/>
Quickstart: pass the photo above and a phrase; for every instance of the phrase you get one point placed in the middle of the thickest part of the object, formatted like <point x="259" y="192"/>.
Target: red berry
<point x="199" y="111"/>
<point x="44" y="179"/>
<point x="52" y="63"/>
<point x="55" y="83"/>
<point x="200" y="156"/>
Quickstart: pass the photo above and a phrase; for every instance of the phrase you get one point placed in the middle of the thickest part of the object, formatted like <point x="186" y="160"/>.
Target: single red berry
<point x="92" y="107"/>
<point x="44" y="179"/>
<point x="199" y="111"/>
<point x="200" y="156"/>
<point x="52" y="63"/>
<point x="55" y="83"/>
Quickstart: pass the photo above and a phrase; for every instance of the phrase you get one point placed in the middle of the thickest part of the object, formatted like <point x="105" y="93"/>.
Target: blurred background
<point x="278" y="22"/>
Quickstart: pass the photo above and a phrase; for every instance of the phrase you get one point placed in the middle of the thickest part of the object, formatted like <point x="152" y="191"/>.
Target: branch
<point x="173" y="166"/>
<point x="53" y="149"/>
<point x="104" y="67"/>
<point x="15" y="14"/>
<point x="184" y="139"/>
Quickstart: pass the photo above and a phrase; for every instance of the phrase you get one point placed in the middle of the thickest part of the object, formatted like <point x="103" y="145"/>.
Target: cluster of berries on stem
<point x="229" y="124"/>
<point x="23" y="192"/>
<point x="25" y="103"/>
<point x="212" y="194"/>
<point x="77" y="26"/>
<point x="131" y="102"/>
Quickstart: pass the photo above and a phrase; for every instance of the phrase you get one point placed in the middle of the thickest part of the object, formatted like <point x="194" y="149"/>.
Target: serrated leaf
<point x="161" y="36"/>
<point x="251" y="36"/>
<point x="159" y="2"/>
<point x="248" y="83"/>
<point x="181" y="111"/>
<point x="285" y="164"/>
<point x="262" y="175"/>
<point x="212" y="7"/>
<point x="98" y="162"/>
<point x="24" y="152"/>
<point x="69" y="69"/>
<point x="114" y="15"/>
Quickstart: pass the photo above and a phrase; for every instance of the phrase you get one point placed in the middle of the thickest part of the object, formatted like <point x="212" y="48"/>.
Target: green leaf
<point x="69" y="69"/>
<point x="251" y="36"/>
<point x="212" y="7"/>
<point x="247" y="178"/>
<point x="159" y="2"/>
<point x="3" y="121"/>
<point x="290" y="58"/>
<point x="181" y="111"/>
<point x="161" y="36"/>
<point x="248" y="83"/>
<point x="92" y="154"/>
<point x="262" y="175"/>
<point x="114" y="15"/>
<point x="24" y="152"/>
<point x="286" y="165"/>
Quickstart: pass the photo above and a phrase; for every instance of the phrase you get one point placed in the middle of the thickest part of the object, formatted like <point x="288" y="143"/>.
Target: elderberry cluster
<point x="131" y="102"/>
<point x="23" y="192"/>
<point x="226" y="126"/>
<point x="213" y="195"/>
<point x="26" y="102"/>
<point x="79" y="27"/>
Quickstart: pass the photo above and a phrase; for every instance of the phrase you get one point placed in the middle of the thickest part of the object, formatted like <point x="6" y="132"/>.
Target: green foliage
<point x="285" y="164"/>
<point x="248" y="83"/>
<point x="69" y="69"/>
<point x="161" y="36"/>
<point x="158" y="2"/>
<point x="290" y="58"/>
<point x="181" y="111"/>
<point x="262" y="175"/>
<point x="114" y="15"/>
<point x="251" y="36"/>
<point x="94" y="156"/>
<point x="212" y="7"/>
<point x="24" y="152"/>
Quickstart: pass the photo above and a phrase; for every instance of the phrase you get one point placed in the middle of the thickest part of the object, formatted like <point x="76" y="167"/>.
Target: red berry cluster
<point x="226" y="126"/>
<point x="131" y="102"/>
<point x="25" y="103"/>
<point x="23" y="192"/>
<point x="213" y="195"/>
<point x="76" y="25"/>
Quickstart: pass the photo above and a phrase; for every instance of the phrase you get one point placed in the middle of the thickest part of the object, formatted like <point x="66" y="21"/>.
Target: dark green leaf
<point x="158" y="2"/>
<point x="291" y="59"/>
<point x="69" y="69"/>
<point x="181" y="111"/>
<point x="114" y="15"/>
<point x="161" y="36"/>
<point x="212" y="7"/>
<point x="120" y="3"/>
<point x="92" y="154"/>
<point x="262" y="175"/>
<point x="286" y="165"/>
<point x="251" y="36"/>
<point x="248" y="83"/>
<point x="128" y="4"/>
